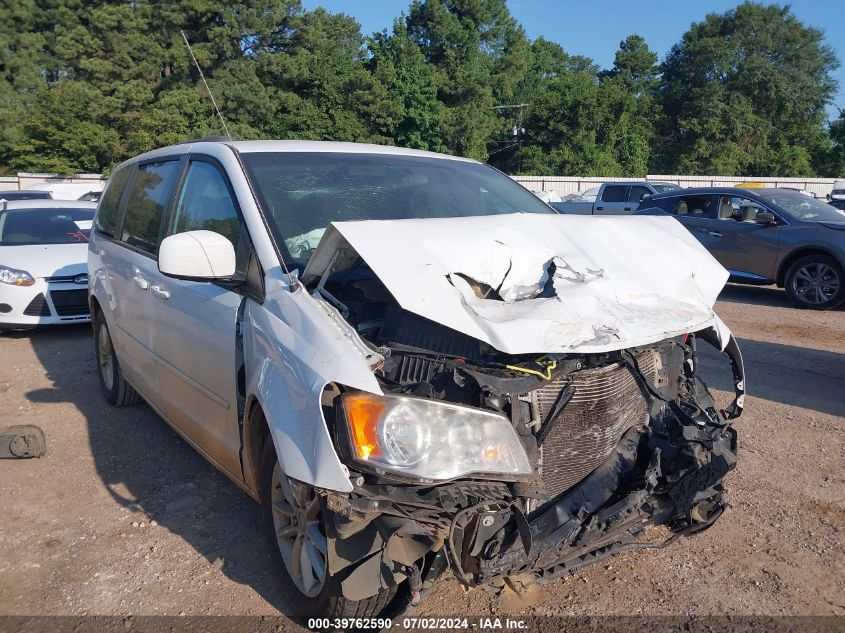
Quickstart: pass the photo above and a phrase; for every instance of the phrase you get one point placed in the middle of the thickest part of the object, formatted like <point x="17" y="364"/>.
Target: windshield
<point x="801" y="207"/>
<point x="302" y="192"/>
<point x="45" y="226"/>
<point x="664" y="187"/>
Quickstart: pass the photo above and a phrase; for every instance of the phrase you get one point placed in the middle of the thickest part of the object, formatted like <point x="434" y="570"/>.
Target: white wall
<point x="563" y="185"/>
<point x="24" y="180"/>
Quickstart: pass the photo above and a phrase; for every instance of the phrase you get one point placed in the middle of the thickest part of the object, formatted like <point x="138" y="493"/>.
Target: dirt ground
<point x="122" y="517"/>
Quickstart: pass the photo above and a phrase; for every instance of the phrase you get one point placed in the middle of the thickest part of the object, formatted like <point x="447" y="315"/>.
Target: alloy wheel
<point x="105" y="357"/>
<point x="816" y="283"/>
<point x="301" y="542"/>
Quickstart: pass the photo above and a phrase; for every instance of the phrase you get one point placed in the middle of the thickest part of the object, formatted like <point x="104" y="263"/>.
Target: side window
<point x="614" y="193"/>
<point x="695" y="206"/>
<point x="106" y="218"/>
<point x="147" y="204"/>
<point x="206" y="204"/>
<point x="638" y="192"/>
<point x="739" y="209"/>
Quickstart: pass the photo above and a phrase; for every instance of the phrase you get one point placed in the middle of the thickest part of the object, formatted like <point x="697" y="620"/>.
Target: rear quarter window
<point x="106" y="219"/>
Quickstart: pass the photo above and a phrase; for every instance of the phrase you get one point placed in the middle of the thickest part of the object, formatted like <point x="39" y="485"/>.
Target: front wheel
<point x="294" y="523"/>
<point x="815" y="282"/>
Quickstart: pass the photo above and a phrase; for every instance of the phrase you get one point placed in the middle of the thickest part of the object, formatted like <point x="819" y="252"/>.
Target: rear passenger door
<point x="132" y="267"/>
<point x="696" y="212"/>
<point x="613" y="200"/>
<point x="195" y="337"/>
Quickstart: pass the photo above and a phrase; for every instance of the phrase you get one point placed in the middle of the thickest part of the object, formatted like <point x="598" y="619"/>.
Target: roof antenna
<point x="219" y="114"/>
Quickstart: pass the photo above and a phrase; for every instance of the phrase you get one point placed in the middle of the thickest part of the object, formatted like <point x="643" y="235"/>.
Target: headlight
<point x="431" y="440"/>
<point x="15" y="277"/>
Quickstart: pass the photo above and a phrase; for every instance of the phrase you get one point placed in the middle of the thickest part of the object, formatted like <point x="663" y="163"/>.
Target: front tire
<point x="116" y="389"/>
<point x="294" y="524"/>
<point x="815" y="282"/>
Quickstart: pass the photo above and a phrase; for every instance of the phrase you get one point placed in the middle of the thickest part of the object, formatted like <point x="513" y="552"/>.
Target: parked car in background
<point x="588" y="195"/>
<point x="91" y="196"/>
<point x="767" y="236"/>
<point x="43" y="254"/>
<point x="414" y="364"/>
<point x="838" y="192"/>
<point x="25" y="194"/>
<point x="799" y="190"/>
<point x="68" y="190"/>
<point x="615" y="198"/>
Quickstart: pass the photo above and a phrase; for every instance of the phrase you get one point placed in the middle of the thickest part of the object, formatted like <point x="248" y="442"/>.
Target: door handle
<point x="627" y="208"/>
<point x="599" y="208"/>
<point x="160" y="291"/>
<point x="140" y="281"/>
<point x="715" y="233"/>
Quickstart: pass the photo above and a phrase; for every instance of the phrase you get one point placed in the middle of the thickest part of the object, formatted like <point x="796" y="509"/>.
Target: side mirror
<point x="764" y="217"/>
<point x="197" y="256"/>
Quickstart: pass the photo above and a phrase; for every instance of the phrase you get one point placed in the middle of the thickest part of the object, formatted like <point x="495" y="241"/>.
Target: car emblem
<point x="80" y="279"/>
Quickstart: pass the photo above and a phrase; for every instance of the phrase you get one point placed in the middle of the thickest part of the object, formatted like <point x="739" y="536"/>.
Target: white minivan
<point x="413" y="363"/>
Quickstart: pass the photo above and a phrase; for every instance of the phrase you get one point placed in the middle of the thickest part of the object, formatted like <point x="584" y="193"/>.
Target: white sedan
<point x="43" y="254"/>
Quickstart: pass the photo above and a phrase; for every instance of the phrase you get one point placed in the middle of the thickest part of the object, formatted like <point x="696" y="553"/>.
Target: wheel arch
<point x="94" y="307"/>
<point x="798" y="253"/>
<point x="256" y="434"/>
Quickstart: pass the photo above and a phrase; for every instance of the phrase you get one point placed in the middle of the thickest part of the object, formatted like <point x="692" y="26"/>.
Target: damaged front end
<point x="598" y="447"/>
<point x="537" y="405"/>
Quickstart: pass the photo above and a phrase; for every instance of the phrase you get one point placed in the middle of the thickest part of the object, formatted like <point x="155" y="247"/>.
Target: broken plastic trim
<point x="731" y="350"/>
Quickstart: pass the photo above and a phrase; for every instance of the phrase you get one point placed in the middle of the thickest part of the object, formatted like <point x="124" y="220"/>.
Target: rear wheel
<point x="294" y="523"/>
<point x="815" y="282"/>
<point x="117" y="391"/>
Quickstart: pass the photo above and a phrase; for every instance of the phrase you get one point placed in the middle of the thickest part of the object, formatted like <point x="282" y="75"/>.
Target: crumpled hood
<point x="52" y="260"/>
<point x="563" y="283"/>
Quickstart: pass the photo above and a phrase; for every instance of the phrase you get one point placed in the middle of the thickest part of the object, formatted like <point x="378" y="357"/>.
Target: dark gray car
<point x="766" y="236"/>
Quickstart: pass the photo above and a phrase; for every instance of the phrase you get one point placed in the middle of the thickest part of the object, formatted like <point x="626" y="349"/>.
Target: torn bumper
<point x="668" y="472"/>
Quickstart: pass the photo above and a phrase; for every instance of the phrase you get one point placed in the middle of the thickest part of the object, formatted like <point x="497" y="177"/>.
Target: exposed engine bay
<point x="616" y="441"/>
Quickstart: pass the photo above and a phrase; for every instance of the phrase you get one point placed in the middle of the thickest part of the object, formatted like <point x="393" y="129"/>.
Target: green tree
<point x="634" y="66"/>
<point x="744" y="92"/>
<point x="833" y="164"/>
<point x="478" y="51"/>
<point x="407" y="110"/>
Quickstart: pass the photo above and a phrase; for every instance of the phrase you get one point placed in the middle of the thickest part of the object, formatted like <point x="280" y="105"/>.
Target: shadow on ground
<point x="807" y="378"/>
<point x="147" y="467"/>
<point x="759" y="296"/>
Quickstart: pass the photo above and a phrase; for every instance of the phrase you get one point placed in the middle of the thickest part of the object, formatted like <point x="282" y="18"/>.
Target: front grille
<point x="63" y="278"/>
<point x="70" y="302"/>
<point x="38" y="307"/>
<point x="606" y="403"/>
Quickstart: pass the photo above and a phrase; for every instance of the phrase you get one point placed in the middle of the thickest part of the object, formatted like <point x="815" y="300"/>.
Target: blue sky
<point x="596" y="27"/>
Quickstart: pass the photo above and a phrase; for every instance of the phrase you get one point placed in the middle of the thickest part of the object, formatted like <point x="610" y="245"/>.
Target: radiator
<point x="607" y="402"/>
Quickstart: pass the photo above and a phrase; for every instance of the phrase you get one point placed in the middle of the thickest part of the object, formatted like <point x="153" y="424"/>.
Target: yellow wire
<point x="546" y="376"/>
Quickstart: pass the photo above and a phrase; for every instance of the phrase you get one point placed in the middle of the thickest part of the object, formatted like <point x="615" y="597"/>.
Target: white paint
<point x="198" y="255"/>
<point x="620" y="281"/>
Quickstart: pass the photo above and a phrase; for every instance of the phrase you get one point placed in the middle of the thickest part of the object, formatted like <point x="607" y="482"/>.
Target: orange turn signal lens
<point x="25" y="282"/>
<point x="362" y="415"/>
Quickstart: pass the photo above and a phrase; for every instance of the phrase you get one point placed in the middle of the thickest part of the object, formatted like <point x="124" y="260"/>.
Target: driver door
<point x="747" y="249"/>
<point x="196" y="333"/>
